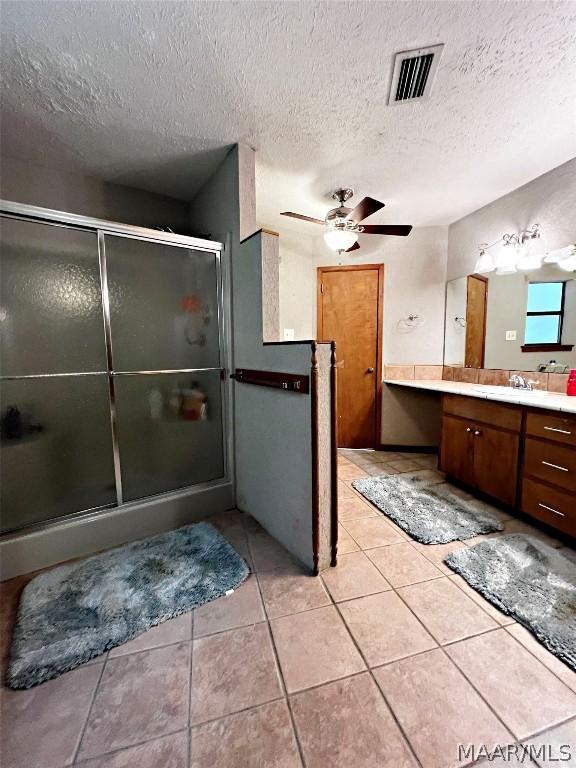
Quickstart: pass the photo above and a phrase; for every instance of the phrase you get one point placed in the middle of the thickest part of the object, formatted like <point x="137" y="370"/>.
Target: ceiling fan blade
<point x="365" y="208"/>
<point x="387" y="229"/>
<point x="301" y="216"/>
<point x="352" y="248"/>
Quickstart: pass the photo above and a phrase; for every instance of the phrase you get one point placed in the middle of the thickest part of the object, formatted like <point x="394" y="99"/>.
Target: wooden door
<point x="457" y="449"/>
<point x="477" y="293"/>
<point x="496" y="462"/>
<point x="349" y="312"/>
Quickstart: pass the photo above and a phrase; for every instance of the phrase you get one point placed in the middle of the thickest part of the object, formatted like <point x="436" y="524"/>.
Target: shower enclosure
<point x="113" y="355"/>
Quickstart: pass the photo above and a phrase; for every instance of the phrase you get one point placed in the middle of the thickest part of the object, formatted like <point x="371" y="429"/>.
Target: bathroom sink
<point x="507" y="391"/>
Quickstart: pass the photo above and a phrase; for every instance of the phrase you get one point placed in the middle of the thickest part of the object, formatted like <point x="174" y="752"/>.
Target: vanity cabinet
<point x="480" y="445"/>
<point x="521" y="456"/>
<point x="549" y="469"/>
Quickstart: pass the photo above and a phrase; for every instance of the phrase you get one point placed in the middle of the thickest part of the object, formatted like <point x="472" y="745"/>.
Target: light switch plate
<point x="510" y="335"/>
<point x="288" y="334"/>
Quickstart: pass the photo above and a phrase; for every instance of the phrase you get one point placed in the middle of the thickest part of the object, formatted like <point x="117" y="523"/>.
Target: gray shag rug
<point x="75" y="612"/>
<point x="529" y="581"/>
<point x="432" y="514"/>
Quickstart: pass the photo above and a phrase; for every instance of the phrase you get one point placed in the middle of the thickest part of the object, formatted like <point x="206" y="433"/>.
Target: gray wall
<point x="273" y="429"/>
<point x="23" y="182"/>
<point x="549" y="200"/>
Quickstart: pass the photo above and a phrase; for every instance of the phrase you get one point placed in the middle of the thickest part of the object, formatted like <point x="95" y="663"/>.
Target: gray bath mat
<point x="528" y="580"/>
<point x="431" y="514"/>
<point x="75" y="612"/>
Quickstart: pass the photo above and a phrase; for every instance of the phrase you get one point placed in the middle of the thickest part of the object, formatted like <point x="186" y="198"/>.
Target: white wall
<point x="549" y="200"/>
<point x="455" y="342"/>
<point x="298" y="284"/>
<point x="414" y="280"/>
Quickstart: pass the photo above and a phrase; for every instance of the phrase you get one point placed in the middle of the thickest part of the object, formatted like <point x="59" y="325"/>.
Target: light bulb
<point x="553" y="257"/>
<point x="339" y="239"/>
<point x="569" y="264"/>
<point x="531" y="255"/>
<point x="506" y="259"/>
<point x="484" y="264"/>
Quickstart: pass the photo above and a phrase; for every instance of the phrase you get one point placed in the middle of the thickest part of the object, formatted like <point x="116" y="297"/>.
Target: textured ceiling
<point x="151" y="93"/>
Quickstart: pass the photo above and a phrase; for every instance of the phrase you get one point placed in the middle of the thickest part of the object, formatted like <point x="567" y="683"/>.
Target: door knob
<point x="468" y="429"/>
<point x="370" y="370"/>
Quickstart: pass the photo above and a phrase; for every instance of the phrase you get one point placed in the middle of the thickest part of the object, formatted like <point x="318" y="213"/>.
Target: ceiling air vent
<point x="413" y="74"/>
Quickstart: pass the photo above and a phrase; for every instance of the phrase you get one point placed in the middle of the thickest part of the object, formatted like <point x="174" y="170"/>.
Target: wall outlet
<point x="510" y="335"/>
<point x="288" y="334"/>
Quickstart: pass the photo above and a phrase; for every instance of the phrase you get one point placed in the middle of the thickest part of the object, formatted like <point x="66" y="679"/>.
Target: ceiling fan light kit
<point x="342" y="224"/>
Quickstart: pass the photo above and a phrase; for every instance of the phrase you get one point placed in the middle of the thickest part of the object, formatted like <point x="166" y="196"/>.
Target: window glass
<point x="544" y="297"/>
<point x="542" y="329"/>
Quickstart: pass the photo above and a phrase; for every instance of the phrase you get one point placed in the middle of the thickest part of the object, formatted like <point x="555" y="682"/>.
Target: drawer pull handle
<point x="550" y="509"/>
<point x="562" y="431"/>
<point x="468" y="429"/>
<point x="555" y="466"/>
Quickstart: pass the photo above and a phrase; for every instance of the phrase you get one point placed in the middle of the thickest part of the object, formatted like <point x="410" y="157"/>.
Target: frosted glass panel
<point x="163" y="306"/>
<point x="56" y="448"/>
<point x="170" y="431"/>
<point x="51" y="310"/>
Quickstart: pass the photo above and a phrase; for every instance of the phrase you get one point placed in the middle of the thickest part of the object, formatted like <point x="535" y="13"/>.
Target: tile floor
<point x="388" y="661"/>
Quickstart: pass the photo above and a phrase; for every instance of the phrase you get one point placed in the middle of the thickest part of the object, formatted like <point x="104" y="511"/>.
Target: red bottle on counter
<point x="571" y="387"/>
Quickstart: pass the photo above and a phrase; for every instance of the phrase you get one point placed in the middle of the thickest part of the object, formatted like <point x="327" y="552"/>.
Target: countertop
<point x="549" y="400"/>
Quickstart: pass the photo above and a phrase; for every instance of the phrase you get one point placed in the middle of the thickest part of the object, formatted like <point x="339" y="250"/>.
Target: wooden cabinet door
<point x="496" y="463"/>
<point x="456" y="450"/>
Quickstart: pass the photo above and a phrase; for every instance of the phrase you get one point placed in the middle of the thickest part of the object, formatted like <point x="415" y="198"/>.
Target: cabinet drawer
<point x="497" y="414"/>
<point x="552" y="506"/>
<point x="551" y="462"/>
<point x="552" y="426"/>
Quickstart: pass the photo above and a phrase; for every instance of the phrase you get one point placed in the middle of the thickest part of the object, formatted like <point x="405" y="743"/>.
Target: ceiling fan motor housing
<point x="337" y="216"/>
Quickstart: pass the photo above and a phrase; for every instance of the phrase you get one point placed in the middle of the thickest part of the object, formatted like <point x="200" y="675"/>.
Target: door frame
<point x="379" y="332"/>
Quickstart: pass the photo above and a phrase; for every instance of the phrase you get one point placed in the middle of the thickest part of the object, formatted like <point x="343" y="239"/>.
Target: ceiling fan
<point x="342" y="224"/>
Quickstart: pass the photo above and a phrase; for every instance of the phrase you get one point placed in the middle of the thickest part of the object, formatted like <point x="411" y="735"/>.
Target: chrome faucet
<point x="519" y="382"/>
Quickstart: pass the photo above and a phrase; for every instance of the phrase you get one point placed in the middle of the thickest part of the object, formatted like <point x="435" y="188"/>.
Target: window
<point x="545" y="313"/>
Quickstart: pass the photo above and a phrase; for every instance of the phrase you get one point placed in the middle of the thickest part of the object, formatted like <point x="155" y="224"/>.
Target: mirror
<point x="522" y="321"/>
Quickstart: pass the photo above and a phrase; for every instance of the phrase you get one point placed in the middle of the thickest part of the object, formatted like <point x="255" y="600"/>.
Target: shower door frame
<point x="101" y="228"/>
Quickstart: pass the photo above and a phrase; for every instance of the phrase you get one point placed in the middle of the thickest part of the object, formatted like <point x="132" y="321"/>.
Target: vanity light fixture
<point x="485" y="263"/>
<point x="568" y="264"/>
<point x="518" y="252"/>
<point x="565" y="258"/>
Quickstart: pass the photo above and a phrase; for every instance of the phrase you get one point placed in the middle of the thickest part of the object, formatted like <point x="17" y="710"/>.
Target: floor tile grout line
<point x="461" y="588"/>
<point x="278" y="665"/>
<point x="548" y="728"/>
<point x="116" y="751"/>
<point x="450" y="660"/>
<point x="378" y="688"/>
<point x="92" y="700"/>
<point x="540" y="660"/>
<point x="217" y="719"/>
<point x="190" y="679"/>
<point x="443" y="646"/>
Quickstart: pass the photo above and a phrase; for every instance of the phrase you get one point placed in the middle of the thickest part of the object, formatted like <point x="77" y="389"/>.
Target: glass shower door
<point x="56" y="435"/>
<point x="166" y="364"/>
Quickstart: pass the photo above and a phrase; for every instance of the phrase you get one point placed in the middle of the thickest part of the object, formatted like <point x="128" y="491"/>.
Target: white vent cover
<point x="413" y="74"/>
